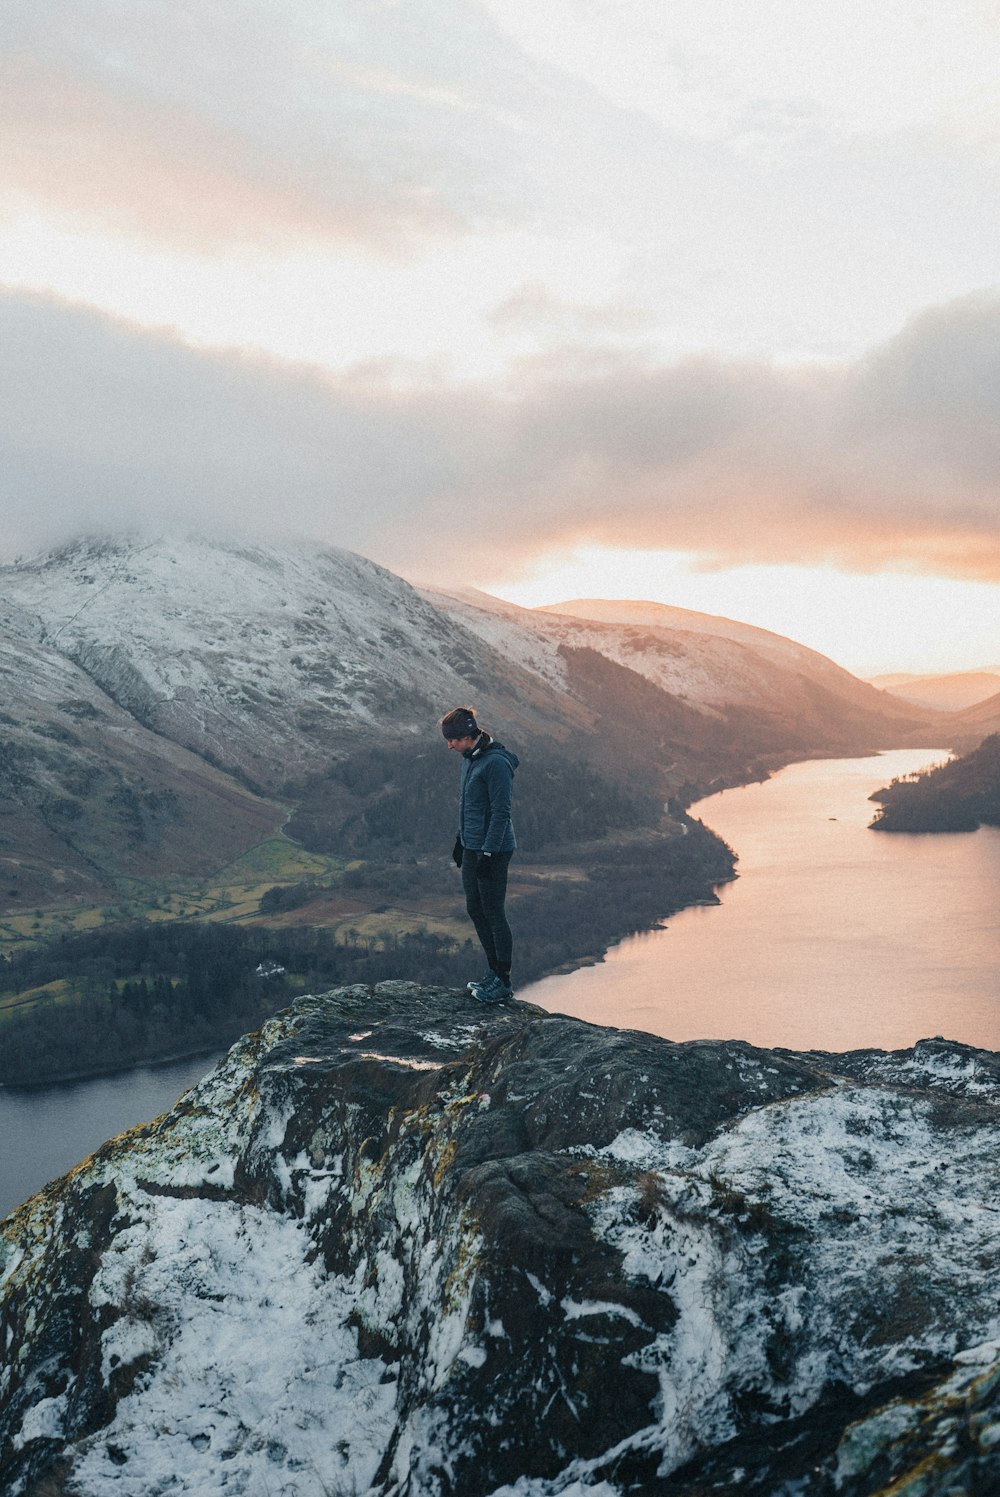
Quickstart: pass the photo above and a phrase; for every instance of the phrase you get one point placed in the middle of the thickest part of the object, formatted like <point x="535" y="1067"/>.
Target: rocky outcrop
<point x="399" y="1244"/>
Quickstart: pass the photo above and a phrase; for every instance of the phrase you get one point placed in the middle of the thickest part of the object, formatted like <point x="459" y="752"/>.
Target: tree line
<point x="955" y="797"/>
<point x="146" y="990"/>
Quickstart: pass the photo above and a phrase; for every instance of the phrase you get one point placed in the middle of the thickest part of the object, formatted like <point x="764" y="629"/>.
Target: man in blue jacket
<point x="484" y="843"/>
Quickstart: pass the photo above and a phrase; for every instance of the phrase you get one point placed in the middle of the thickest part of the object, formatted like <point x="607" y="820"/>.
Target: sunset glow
<point x="695" y="304"/>
<point x="871" y="625"/>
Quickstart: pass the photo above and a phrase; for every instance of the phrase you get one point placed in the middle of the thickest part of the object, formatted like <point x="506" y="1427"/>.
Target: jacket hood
<point x="491" y="746"/>
<point x="509" y="755"/>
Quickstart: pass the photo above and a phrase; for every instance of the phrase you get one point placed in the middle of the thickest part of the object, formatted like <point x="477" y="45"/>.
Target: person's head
<point x="460" y="728"/>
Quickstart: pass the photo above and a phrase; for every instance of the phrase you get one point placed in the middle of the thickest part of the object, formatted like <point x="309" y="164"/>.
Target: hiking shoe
<point x="494" y="991"/>
<point x="481" y="982"/>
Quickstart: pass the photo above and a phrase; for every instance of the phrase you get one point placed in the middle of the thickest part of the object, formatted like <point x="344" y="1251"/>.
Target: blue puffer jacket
<point x="486" y="797"/>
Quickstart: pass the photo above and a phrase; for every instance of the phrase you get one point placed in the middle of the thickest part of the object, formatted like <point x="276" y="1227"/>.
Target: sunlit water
<point x="46" y="1130"/>
<point x="833" y="937"/>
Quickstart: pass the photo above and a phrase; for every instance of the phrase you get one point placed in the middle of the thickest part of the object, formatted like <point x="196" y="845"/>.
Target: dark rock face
<point x="400" y="1244"/>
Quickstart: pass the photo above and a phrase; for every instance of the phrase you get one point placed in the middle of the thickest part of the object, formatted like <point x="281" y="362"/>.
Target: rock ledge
<point x="398" y="1244"/>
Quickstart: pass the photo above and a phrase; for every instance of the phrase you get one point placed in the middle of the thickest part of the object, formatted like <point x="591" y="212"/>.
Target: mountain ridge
<point x="668" y="616"/>
<point x="951" y="692"/>
<point x="738" y="665"/>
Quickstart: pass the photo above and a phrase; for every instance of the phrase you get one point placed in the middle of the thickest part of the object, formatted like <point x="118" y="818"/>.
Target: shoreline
<point x="592" y="954"/>
<point x="102" y="1073"/>
<point x="590" y="957"/>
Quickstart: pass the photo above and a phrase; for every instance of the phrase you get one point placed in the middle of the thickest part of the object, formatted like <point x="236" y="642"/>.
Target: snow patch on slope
<point x="290" y="1408"/>
<point x="217" y="643"/>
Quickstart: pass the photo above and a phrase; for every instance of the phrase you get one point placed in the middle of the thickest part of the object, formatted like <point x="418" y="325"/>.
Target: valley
<point x="211" y="736"/>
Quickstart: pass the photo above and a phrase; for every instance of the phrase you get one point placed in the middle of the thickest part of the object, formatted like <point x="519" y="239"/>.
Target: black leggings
<point x="484" y="900"/>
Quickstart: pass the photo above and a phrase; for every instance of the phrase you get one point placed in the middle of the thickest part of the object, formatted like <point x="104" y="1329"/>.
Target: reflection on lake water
<point x="833" y="937"/>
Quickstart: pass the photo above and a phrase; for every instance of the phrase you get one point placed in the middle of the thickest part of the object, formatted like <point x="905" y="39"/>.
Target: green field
<point x="60" y="991"/>
<point x="232" y="893"/>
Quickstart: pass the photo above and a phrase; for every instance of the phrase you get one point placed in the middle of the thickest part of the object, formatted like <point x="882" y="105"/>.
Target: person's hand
<point x="484" y="868"/>
<point x="456" y="852"/>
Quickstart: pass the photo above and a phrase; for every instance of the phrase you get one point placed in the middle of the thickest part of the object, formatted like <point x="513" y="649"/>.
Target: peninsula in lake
<point x="959" y="796"/>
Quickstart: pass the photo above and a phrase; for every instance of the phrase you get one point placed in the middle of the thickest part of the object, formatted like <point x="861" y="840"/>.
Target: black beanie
<point x="464" y="726"/>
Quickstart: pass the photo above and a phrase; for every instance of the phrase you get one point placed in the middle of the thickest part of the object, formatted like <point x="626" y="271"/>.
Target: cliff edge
<point x="397" y="1244"/>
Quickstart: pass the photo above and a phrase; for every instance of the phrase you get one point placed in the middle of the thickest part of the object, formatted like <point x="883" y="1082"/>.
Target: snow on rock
<point x="398" y="1245"/>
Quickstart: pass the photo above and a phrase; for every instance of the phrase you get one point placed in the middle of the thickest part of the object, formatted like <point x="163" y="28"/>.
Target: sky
<point x="697" y="302"/>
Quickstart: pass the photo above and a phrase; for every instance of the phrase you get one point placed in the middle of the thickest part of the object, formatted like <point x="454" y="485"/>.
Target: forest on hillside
<point x="959" y="796"/>
<point x="396" y="796"/>
<point x="148" y="990"/>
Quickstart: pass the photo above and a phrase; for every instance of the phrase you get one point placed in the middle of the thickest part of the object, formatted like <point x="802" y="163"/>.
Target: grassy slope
<point x="231" y="893"/>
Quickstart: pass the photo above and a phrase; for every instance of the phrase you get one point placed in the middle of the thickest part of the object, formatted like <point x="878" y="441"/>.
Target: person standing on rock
<point x="485" y="843"/>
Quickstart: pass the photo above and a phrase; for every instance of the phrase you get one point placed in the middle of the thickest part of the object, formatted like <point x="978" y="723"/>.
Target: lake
<point x="833" y="937"/>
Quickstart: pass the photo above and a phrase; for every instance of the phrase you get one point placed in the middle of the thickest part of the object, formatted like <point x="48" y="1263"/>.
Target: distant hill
<point x="950" y="693"/>
<point x="748" y="682"/>
<point x="638" y="612"/>
<point x="955" y="797"/>
<point x="971" y="724"/>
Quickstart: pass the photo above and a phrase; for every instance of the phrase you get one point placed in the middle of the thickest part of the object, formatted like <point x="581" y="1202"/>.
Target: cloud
<point x="216" y="125"/>
<point x="533" y="307"/>
<point x="109" y="426"/>
<point x="335" y="141"/>
<point x="890" y="462"/>
<point x="365" y="125"/>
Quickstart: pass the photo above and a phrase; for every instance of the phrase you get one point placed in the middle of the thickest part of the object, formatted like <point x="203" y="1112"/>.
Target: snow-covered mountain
<point x="274" y="658"/>
<point x="266" y="665"/>
<point x="392" y="1245"/>
<point x="268" y="658"/>
<point x="640" y="614"/>
<point x="87" y="792"/>
<point x="712" y="664"/>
